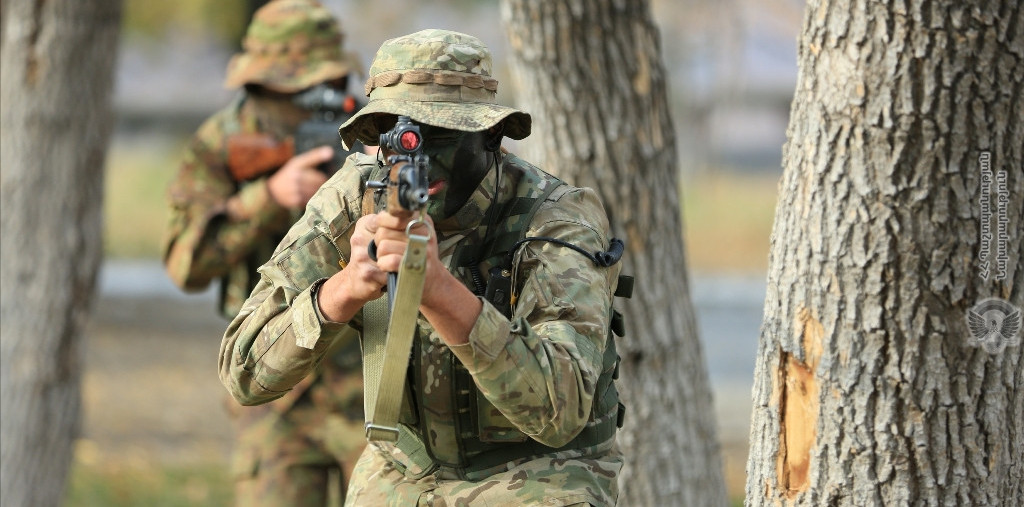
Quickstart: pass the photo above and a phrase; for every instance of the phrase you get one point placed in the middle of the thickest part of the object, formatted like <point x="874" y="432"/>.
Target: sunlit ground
<point x="149" y="484"/>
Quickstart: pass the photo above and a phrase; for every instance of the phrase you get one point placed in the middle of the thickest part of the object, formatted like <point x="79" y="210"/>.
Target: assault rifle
<point x="251" y="155"/>
<point x="390" y="330"/>
<point x="406" y="184"/>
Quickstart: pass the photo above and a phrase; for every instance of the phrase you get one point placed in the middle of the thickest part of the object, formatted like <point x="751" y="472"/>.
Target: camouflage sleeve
<point x="214" y="222"/>
<point x="540" y="369"/>
<point x="279" y="336"/>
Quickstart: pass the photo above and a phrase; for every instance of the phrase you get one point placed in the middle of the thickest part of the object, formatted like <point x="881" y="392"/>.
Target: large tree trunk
<point x="56" y="74"/>
<point x="593" y="79"/>
<point x="868" y="388"/>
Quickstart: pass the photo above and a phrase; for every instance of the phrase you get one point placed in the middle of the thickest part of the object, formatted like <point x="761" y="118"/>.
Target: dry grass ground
<point x="155" y="431"/>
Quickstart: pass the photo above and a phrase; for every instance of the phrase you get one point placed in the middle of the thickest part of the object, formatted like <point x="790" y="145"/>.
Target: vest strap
<point x="375" y="329"/>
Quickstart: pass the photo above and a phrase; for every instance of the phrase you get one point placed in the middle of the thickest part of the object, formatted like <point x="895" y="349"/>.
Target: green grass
<point x="135" y="206"/>
<point x="124" y="484"/>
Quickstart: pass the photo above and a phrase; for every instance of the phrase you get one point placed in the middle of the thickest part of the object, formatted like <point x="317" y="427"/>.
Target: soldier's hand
<point x="367" y="280"/>
<point x="359" y="281"/>
<point x="298" y="179"/>
<point x="392" y="241"/>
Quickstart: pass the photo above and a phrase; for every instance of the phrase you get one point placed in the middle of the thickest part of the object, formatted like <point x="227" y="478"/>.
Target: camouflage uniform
<point x="523" y="414"/>
<point x="225" y="229"/>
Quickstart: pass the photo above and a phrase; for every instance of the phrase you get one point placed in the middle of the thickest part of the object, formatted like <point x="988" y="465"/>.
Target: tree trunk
<point x="868" y="389"/>
<point x="593" y="79"/>
<point x="57" y="69"/>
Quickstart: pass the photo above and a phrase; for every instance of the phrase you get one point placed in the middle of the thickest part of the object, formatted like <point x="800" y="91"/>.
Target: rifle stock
<point x="253" y="155"/>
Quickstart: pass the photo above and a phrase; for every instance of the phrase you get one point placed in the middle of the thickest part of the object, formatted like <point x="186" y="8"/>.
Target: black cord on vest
<point x="604" y="259"/>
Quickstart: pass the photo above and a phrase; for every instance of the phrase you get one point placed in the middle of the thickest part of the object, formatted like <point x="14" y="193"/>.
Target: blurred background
<point x="155" y="432"/>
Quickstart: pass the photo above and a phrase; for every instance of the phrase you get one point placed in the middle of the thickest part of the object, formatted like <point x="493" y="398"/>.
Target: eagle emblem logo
<point x="994" y="325"/>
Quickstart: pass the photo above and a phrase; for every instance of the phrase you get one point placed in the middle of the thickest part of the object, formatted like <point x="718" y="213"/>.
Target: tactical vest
<point x="445" y="421"/>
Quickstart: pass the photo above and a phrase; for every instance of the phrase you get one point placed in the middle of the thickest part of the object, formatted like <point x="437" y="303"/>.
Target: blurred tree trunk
<point x="593" y="78"/>
<point x="868" y="390"/>
<point x="56" y="75"/>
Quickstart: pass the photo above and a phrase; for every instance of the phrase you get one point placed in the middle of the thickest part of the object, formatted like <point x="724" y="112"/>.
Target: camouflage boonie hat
<point x="291" y="45"/>
<point x="436" y="77"/>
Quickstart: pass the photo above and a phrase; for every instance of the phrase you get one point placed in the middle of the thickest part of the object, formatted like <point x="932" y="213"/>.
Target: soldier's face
<point x="458" y="163"/>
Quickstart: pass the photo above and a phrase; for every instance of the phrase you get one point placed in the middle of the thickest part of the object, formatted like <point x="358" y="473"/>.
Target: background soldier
<point x="510" y="398"/>
<point x="240" y="187"/>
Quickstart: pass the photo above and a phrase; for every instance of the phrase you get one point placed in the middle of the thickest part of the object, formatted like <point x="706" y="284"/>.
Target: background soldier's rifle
<point x="251" y="155"/>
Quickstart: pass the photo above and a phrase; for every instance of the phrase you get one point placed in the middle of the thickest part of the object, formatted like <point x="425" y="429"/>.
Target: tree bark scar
<point x="32" y="62"/>
<point x="642" y="79"/>
<point x="798" y="406"/>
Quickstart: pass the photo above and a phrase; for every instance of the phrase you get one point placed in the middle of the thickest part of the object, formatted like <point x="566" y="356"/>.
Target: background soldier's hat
<point x="291" y="45"/>
<point x="436" y="77"/>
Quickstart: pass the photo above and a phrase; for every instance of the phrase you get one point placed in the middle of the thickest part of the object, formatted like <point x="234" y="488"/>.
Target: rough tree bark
<point x="868" y="390"/>
<point x="56" y="76"/>
<point x="592" y="76"/>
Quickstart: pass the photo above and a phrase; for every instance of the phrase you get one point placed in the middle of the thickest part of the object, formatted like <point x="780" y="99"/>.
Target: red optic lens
<point x="409" y="140"/>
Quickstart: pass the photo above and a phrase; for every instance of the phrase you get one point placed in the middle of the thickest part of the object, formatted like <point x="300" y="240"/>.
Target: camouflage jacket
<point x="221" y="228"/>
<point x="539" y="370"/>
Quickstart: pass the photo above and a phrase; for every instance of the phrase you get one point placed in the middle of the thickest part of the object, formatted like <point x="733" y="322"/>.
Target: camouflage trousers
<point x="549" y="482"/>
<point x="300" y="453"/>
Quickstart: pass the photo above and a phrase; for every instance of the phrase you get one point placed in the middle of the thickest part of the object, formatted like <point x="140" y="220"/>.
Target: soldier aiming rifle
<point x="492" y="383"/>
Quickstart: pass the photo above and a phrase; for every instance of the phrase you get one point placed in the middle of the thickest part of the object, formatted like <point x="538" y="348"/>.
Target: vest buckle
<point x="377" y="432"/>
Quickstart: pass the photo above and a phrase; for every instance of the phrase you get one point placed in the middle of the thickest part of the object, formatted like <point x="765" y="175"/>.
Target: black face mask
<point x="458" y="163"/>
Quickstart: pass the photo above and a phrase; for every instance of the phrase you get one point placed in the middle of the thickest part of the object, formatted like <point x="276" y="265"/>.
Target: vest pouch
<point x="493" y="426"/>
<point x="606" y="396"/>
